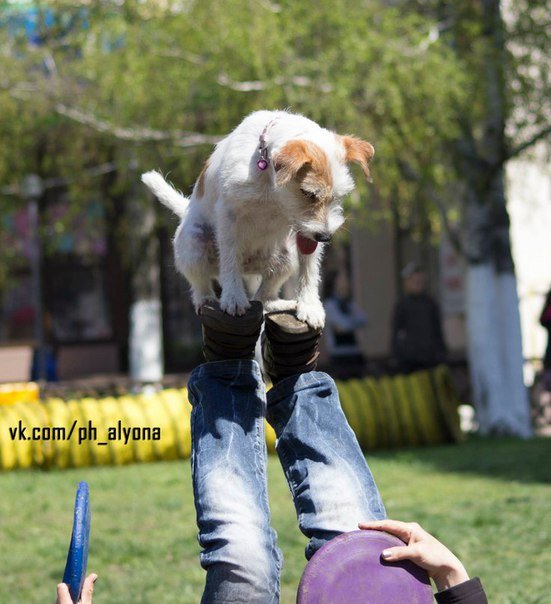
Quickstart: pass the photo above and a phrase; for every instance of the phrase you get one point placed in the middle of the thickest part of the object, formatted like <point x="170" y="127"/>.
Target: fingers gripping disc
<point x="349" y="570"/>
<point x="77" y="557"/>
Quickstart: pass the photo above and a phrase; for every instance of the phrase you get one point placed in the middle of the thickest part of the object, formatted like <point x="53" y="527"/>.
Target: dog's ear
<point x="358" y="151"/>
<point x="295" y="157"/>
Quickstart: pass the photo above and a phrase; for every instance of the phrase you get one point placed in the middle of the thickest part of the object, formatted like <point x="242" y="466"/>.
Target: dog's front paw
<point x="312" y="313"/>
<point x="279" y="305"/>
<point x="234" y="304"/>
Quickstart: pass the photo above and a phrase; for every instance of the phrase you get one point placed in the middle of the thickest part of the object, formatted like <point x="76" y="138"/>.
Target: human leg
<point x="332" y="486"/>
<point x="228" y="461"/>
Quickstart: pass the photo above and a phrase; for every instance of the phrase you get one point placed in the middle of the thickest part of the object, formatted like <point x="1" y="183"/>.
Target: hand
<point x="443" y="567"/>
<point x="64" y="597"/>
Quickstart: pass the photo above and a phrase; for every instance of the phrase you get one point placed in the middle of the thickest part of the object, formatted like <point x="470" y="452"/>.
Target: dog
<point x="266" y="202"/>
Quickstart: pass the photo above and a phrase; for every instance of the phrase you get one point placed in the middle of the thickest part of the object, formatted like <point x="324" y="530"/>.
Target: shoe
<point x="289" y="346"/>
<point x="230" y="337"/>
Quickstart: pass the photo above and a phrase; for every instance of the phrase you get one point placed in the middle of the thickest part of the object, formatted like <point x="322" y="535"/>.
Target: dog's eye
<point x="309" y="194"/>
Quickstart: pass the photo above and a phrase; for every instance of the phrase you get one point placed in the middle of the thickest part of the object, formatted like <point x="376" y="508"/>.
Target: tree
<point x="105" y="82"/>
<point x="506" y="114"/>
<point x="437" y="86"/>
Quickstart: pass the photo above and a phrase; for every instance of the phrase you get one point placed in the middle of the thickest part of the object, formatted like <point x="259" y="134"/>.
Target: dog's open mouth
<point x="305" y="245"/>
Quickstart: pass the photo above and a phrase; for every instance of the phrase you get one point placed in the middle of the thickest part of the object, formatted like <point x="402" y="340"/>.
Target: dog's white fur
<point x="242" y="221"/>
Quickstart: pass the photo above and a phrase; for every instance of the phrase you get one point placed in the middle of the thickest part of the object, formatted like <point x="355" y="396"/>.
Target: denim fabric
<point x="330" y="482"/>
<point x="230" y="486"/>
<point x="332" y="486"/>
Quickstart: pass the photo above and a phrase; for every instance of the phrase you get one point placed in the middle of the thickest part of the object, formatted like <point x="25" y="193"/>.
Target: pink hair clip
<point x="262" y="163"/>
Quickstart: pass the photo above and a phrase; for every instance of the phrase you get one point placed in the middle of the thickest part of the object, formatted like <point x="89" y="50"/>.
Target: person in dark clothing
<point x="48" y="371"/>
<point x="541" y="408"/>
<point x="443" y="567"/>
<point x="545" y="320"/>
<point x="417" y="339"/>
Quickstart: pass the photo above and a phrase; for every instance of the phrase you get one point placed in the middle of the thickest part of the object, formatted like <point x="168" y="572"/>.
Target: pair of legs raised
<point x="330" y="482"/>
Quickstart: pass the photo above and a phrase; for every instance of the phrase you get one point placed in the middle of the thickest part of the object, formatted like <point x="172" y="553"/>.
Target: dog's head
<point x="313" y="178"/>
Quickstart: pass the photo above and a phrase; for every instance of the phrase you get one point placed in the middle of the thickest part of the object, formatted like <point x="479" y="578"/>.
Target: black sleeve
<point x="544" y="318"/>
<point x="397" y="321"/>
<point x="469" y="592"/>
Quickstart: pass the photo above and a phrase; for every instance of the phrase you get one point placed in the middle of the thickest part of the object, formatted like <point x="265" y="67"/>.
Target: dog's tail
<point x="166" y="193"/>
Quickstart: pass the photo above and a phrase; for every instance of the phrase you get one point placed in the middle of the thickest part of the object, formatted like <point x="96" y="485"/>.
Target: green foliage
<point x="115" y="81"/>
<point x="354" y="66"/>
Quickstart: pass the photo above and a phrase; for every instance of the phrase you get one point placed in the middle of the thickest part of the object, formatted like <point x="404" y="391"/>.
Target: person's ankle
<point x="289" y="346"/>
<point x="228" y="337"/>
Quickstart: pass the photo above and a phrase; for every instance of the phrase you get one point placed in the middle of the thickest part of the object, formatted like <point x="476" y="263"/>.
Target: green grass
<point x="489" y="500"/>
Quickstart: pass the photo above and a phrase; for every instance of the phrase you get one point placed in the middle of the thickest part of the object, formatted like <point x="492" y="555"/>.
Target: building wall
<point x="373" y="270"/>
<point x="529" y="204"/>
<point x="377" y="257"/>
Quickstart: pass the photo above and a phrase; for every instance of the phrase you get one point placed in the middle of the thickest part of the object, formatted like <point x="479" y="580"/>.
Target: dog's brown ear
<point x="358" y="151"/>
<point x="295" y="156"/>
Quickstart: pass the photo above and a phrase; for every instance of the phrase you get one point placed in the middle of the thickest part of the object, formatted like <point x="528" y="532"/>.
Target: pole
<point x="32" y="189"/>
<point x="36" y="277"/>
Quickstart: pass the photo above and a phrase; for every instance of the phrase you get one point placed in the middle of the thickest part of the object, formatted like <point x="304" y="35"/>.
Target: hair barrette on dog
<point x="263" y="162"/>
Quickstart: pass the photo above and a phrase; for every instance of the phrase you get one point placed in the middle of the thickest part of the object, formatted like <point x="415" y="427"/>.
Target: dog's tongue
<point x="306" y="246"/>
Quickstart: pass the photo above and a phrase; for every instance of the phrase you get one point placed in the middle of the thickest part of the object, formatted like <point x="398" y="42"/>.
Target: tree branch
<point x="410" y="174"/>
<point x="452" y="233"/>
<point x="51" y="183"/>
<point x="176" y="137"/>
<point x="255" y="85"/>
<point x="531" y="141"/>
<point x="181" y="54"/>
<point x="465" y="146"/>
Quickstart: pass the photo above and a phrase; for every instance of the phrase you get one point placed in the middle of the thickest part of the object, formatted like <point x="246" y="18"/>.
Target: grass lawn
<point x="489" y="500"/>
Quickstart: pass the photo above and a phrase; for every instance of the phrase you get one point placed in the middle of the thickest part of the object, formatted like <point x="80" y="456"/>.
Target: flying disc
<point x="77" y="557"/>
<point x="349" y="570"/>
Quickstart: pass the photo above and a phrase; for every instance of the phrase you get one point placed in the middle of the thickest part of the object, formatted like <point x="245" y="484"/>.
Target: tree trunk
<point x="495" y="352"/>
<point x="493" y="319"/>
<point x="145" y="338"/>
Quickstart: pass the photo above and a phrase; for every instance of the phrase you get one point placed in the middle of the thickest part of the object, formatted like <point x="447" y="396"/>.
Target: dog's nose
<point x="323" y="237"/>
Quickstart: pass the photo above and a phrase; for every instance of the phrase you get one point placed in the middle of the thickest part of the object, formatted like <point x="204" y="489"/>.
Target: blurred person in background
<point x="417" y="339"/>
<point x="49" y="371"/>
<point x="542" y="401"/>
<point x="545" y="320"/>
<point x="343" y="319"/>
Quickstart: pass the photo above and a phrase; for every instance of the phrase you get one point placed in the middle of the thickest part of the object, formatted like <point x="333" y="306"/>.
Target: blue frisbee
<point x="77" y="557"/>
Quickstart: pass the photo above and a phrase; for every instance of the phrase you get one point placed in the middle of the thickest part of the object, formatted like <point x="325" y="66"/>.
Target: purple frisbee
<point x="349" y="570"/>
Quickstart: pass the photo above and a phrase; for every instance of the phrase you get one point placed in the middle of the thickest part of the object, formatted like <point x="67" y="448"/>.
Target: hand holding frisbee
<point x="443" y="567"/>
<point x="64" y="597"/>
<point x="350" y="569"/>
<point x="77" y="556"/>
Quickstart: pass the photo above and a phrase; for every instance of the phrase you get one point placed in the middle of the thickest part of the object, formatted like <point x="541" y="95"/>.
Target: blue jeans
<point x="331" y="484"/>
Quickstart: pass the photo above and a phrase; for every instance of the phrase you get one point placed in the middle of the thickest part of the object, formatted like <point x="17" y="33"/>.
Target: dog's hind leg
<point x="252" y="283"/>
<point x="279" y="270"/>
<point x="195" y="258"/>
<point x="201" y="291"/>
<point x="234" y="299"/>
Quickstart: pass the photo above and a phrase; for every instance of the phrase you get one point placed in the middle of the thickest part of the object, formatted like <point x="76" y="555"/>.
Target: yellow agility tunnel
<point x="388" y="412"/>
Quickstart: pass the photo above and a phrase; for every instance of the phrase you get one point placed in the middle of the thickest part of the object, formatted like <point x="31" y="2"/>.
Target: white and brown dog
<point x="268" y="195"/>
